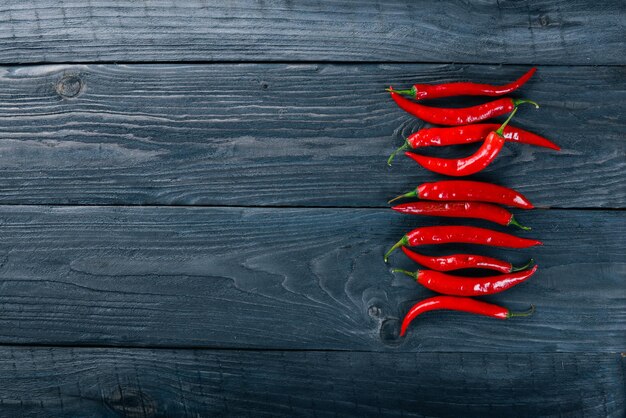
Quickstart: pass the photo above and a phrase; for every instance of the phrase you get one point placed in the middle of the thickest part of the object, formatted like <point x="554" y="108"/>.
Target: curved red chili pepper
<point x="467" y="134"/>
<point x="474" y="210"/>
<point x="434" y="91"/>
<point x="448" y="284"/>
<point x="427" y="235"/>
<point x="476" y="162"/>
<point x="464" y="261"/>
<point x="459" y="116"/>
<point x="467" y="190"/>
<point x="457" y="303"/>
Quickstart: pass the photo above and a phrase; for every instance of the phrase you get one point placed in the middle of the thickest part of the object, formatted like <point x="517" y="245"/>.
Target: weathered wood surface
<point x="493" y="31"/>
<point x="303" y="290"/>
<point x="149" y="383"/>
<point x="289" y="279"/>
<point x="283" y="134"/>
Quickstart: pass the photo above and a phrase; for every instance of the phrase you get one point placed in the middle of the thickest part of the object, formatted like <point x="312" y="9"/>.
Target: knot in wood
<point x="69" y="86"/>
<point x="374" y="311"/>
<point x="390" y="332"/>
<point x="131" y="402"/>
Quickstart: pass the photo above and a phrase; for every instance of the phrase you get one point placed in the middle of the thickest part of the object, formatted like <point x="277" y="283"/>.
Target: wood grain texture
<point x="555" y="32"/>
<point x="151" y="383"/>
<point x="287" y="135"/>
<point x="290" y="311"/>
<point x="289" y="279"/>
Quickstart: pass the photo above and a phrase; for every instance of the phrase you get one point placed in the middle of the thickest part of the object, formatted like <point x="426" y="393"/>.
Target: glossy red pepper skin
<point x="467" y="166"/>
<point x="448" y="284"/>
<point x="458" y="303"/>
<point x="467" y="190"/>
<point x="458" y="116"/>
<point x="434" y="91"/>
<point x="463" y="261"/>
<point x="467" y="134"/>
<point x="428" y="235"/>
<point x="475" y="210"/>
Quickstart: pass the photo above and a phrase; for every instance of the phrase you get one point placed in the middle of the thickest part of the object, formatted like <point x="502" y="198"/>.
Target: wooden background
<point x="193" y="209"/>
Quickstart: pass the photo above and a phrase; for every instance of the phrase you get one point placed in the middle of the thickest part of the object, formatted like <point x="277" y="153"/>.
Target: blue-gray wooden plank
<point x="148" y="383"/>
<point x="286" y="135"/>
<point x="492" y="31"/>
<point x="290" y="279"/>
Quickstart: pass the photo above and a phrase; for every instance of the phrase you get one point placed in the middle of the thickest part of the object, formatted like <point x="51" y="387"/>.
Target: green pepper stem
<point x="403" y="241"/>
<point x="500" y="130"/>
<point x="525" y="313"/>
<point x="404" y="146"/>
<point x="412" y="193"/>
<point x="514" y="222"/>
<point x="406" y="92"/>
<point x="412" y="274"/>
<point x="524" y="267"/>
<point x="517" y="102"/>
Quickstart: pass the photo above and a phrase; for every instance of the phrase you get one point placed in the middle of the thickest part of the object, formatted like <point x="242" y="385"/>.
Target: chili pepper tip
<point x="408" y="92"/>
<point x="525" y="313"/>
<point x="403" y="241"/>
<point x="514" y="222"/>
<point x="517" y="102"/>
<point x="500" y="130"/>
<point x="408" y="273"/>
<point x="404" y="146"/>
<point x="412" y="193"/>
<point x="524" y="267"/>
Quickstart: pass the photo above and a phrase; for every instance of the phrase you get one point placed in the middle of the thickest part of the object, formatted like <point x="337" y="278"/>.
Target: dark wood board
<point x="285" y="135"/>
<point x="217" y="184"/>
<point x="156" y="383"/>
<point x="290" y="279"/>
<point x="494" y="31"/>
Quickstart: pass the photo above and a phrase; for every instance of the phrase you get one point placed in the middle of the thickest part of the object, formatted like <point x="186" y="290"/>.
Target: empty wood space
<point x="539" y="32"/>
<point x="193" y="209"/>
<point x="109" y="382"/>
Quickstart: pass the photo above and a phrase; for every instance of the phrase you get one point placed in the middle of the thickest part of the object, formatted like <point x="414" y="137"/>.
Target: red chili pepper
<point x="459" y="116"/>
<point x="461" y="234"/>
<point x="466" y="190"/>
<point x="475" y="210"/>
<point x="434" y="91"/>
<point x="476" y="162"/>
<point x="467" y="134"/>
<point x="448" y="284"/>
<point x="464" y="261"/>
<point x="456" y="303"/>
